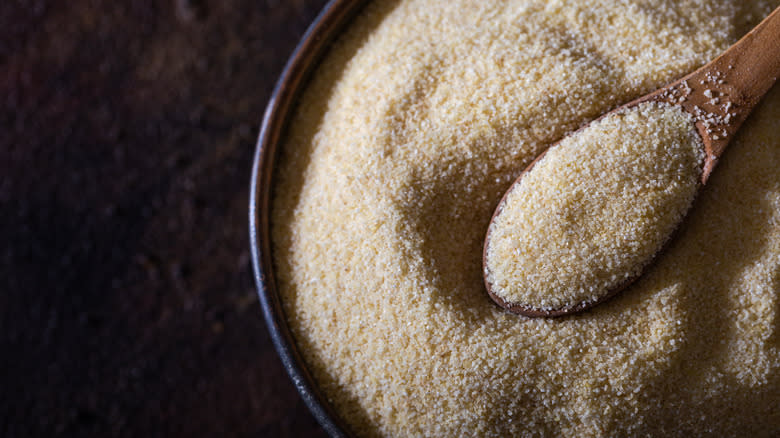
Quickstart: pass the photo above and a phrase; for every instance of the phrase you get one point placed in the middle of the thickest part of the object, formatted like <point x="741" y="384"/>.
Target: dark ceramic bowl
<point x="303" y="61"/>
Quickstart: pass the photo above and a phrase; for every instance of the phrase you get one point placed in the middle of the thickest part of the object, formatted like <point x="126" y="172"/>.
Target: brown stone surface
<point x="127" y="306"/>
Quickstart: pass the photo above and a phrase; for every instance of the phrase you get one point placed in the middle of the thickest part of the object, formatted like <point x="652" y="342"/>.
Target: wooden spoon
<point x="719" y="96"/>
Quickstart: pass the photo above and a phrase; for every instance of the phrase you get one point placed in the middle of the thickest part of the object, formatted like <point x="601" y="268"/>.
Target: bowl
<point x="313" y="45"/>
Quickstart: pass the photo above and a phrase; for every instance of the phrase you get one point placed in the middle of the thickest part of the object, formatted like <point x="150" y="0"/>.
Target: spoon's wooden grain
<point x="719" y="96"/>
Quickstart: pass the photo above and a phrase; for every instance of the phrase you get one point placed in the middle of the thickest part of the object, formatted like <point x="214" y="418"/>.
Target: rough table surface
<point x="127" y="305"/>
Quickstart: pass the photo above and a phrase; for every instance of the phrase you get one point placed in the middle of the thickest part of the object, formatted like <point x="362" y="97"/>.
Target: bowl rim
<point x="304" y="59"/>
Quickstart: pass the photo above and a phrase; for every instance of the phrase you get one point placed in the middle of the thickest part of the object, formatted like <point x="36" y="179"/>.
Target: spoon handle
<point x="721" y="94"/>
<point x="751" y="66"/>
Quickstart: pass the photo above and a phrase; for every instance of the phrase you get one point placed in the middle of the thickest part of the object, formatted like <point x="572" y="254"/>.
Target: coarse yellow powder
<point x="412" y="128"/>
<point x="592" y="213"/>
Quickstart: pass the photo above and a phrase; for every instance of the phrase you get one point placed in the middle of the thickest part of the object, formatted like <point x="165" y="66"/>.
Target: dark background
<point x="127" y="305"/>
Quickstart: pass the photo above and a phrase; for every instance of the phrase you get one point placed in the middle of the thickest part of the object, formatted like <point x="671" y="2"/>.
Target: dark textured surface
<point x="127" y="304"/>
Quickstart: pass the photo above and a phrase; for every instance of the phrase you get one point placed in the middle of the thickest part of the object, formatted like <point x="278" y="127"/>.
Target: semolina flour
<point x="417" y="121"/>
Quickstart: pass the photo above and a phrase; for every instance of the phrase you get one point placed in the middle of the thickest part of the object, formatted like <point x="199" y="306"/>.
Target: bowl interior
<point x="314" y="44"/>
